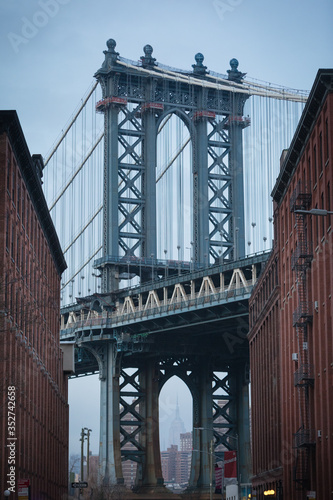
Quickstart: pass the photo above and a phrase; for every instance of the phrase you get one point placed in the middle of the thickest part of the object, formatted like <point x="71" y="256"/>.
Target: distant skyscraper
<point x="186" y="441"/>
<point x="177" y="428"/>
<point x="176" y="465"/>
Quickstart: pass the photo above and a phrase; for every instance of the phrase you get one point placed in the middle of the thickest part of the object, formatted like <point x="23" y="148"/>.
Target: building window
<point x="321" y="152"/>
<point x="23" y="206"/>
<point x="17" y="307"/>
<point x="35" y="234"/>
<point x="27" y="266"/>
<point x="322" y="218"/>
<point x="315" y="221"/>
<point x="315" y="165"/>
<point x="38" y="244"/>
<point x="12" y="242"/>
<point x="19" y="195"/>
<point x="327" y="139"/>
<point x="45" y="252"/>
<point x="6" y="292"/>
<point x="11" y="298"/>
<point x="28" y="215"/>
<point x="17" y="250"/>
<point x="7" y="231"/>
<point x="309" y="173"/>
<point x="22" y="261"/>
<point x="8" y="175"/>
<point x="13" y="185"/>
<point x="22" y="321"/>
<point x="329" y="203"/>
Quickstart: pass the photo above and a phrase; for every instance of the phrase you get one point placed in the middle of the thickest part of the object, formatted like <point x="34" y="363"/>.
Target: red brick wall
<point x="264" y="337"/>
<point x="31" y="358"/>
<point x="272" y="330"/>
<point x="315" y="171"/>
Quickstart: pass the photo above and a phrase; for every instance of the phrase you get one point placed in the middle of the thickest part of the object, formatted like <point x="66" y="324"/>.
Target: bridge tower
<point x="136" y="99"/>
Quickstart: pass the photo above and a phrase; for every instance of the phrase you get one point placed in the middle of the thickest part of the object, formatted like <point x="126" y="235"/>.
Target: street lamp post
<point x="152" y="265"/>
<point x="210" y="453"/>
<point x="314" y="211"/>
<point x="211" y="470"/>
<point x="83" y="435"/>
<point x="88" y="451"/>
<point x="166" y="262"/>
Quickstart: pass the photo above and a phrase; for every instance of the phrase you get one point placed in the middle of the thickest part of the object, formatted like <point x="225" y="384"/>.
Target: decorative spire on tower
<point x="147" y="60"/>
<point x="199" y="68"/>
<point x="233" y="73"/>
<point x="111" y="56"/>
<point x="177" y="428"/>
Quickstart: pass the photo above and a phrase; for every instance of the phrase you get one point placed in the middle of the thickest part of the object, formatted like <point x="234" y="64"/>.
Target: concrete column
<point x="202" y="461"/>
<point x="110" y="279"/>
<point x="239" y="413"/>
<point x="110" y="470"/>
<point x="200" y="194"/>
<point x="152" y="470"/>
<point x="243" y="427"/>
<point x="149" y="187"/>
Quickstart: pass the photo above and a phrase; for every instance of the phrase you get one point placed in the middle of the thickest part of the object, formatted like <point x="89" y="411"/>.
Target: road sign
<point x="80" y="484"/>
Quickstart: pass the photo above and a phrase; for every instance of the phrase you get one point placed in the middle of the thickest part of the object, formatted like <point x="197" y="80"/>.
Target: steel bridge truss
<point x="139" y="341"/>
<point x="132" y="399"/>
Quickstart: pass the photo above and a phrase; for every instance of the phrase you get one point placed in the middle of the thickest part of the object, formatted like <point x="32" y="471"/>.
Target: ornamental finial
<point x="111" y="55"/>
<point x="147" y="60"/>
<point x="233" y="73"/>
<point x="199" y="68"/>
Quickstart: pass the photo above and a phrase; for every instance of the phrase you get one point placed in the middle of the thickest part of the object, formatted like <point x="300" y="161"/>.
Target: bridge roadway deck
<point x="203" y="313"/>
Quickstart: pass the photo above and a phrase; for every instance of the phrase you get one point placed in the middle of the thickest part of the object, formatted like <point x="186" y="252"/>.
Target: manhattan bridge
<point x="159" y="188"/>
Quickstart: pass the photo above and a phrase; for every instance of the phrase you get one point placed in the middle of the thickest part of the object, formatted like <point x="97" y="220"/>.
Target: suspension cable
<point x="84" y="102"/>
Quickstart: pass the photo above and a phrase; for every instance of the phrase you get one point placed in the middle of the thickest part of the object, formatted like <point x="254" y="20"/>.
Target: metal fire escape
<point x="304" y="438"/>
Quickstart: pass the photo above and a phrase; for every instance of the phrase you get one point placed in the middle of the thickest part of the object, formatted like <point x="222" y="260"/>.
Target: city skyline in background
<point x="170" y="403"/>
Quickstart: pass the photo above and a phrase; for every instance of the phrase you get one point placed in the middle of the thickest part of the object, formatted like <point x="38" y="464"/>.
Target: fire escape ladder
<point x="301" y="468"/>
<point x="302" y="256"/>
<point x="304" y="375"/>
<point x="304" y="438"/>
<point x="301" y="197"/>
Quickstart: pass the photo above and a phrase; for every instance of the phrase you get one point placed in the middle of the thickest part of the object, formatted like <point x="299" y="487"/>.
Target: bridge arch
<point x="186" y="376"/>
<point x="185" y="117"/>
<point x="174" y="185"/>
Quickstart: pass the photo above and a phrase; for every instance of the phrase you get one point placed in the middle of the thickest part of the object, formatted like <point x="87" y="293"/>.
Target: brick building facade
<point x="291" y="339"/>
<point x="33" y="386"/>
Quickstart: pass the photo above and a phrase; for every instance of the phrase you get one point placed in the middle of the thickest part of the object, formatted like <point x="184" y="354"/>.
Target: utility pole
<point x="88" y="451"/>
<point x="83" y="435"/>
<point x="211" y="470"/>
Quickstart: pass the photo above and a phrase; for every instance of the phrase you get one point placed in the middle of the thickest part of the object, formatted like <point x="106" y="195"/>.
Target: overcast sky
<point x="50" y="50"/>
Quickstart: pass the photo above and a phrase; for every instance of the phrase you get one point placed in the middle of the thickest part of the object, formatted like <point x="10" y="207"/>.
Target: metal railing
<point x="304" y="374"/>
<point x="303" y="314"/>
<point x="304" y="438"/>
